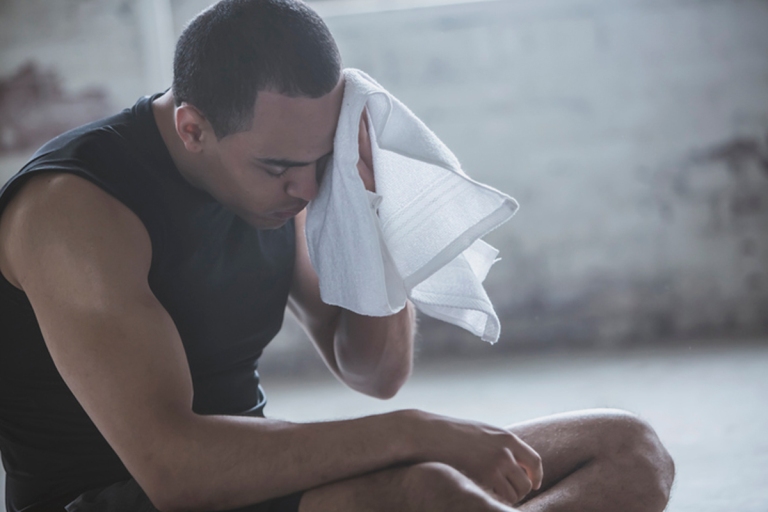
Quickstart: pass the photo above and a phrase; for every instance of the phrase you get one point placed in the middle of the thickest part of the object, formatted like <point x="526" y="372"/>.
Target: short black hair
<point x="236" y="48"/>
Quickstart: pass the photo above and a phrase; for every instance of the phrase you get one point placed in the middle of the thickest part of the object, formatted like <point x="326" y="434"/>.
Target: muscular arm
<point x="82" y="259"/>
<point x="373" y="355"/>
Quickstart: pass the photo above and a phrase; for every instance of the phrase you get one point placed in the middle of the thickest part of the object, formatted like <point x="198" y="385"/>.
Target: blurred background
<point x="634" y="134"/>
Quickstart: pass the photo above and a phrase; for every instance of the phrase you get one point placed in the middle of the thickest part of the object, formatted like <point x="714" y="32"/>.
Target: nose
<point x="303" y="183"/>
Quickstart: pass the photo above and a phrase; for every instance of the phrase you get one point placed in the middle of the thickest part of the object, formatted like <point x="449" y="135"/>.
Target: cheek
<point x="226" y="184"/>
<point x="237" y="179"/>
<point x="256" y="192"/>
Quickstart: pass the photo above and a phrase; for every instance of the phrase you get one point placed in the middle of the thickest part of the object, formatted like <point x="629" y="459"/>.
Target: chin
<point x="276" y="226"/>
<point x="265" y="223"/>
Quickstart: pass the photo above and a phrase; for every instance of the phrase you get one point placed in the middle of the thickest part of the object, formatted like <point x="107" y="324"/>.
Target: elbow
<point x="164" y="503"/>
<point x="164" y="491"/>
<point x="385" y="386"/>
<point x="379" y="375"/>
<point x="175" y="499"/>
<point x="391" y="387"/>
<point x="172" y="484"/>
<point x="385" y="392"/>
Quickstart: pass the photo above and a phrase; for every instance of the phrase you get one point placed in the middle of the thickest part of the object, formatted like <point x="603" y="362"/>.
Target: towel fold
<point x="418" y="236"/>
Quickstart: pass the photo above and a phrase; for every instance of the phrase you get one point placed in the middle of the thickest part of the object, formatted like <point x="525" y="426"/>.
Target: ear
<point x="193" y="128"/>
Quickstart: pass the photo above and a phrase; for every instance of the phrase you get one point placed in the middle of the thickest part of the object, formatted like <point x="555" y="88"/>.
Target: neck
<point x="164" y="110"/>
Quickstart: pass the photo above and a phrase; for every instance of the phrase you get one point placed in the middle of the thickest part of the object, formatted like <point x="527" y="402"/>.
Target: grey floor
<point x="709" y="405"/>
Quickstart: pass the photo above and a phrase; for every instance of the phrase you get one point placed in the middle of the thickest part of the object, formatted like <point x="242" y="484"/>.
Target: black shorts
<point x="127" y="496"/>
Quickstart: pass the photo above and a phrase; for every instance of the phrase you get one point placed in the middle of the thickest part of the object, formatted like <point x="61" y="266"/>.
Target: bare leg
<point x="594" y="461"/>
<point x="598" y="460"/>
<point x="427" y="487"/>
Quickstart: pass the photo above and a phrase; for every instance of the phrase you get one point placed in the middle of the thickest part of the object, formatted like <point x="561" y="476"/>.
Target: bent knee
<point x="632" y="443"/>
<point x="625" y="434"/>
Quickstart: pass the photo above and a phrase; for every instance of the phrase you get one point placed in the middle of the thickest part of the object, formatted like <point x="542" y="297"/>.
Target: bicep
<point x="82" y="258"/>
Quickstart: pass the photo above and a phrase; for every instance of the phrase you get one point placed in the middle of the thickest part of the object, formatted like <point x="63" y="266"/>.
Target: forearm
<point x="375" y="354"/>
<point x="370" y="354"/>
<point x="222" y="462"/>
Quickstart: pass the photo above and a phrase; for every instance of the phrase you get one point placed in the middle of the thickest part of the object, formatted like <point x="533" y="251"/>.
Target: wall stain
<point x="34" y="108"/>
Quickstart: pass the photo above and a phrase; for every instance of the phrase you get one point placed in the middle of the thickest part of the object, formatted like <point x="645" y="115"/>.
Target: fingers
<point x="364" y="141"/>
<point x="520" y="472"/>
<point x="513" y="483"/>
<point x="365" y="163"/>
<point x="530" y="461"/>
<point x="504" y="492"/>
<point x="509" y="481"/>
<point x="518" y="479"/>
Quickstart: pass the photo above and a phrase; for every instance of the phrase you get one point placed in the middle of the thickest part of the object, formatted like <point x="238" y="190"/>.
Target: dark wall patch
<point x="34" y="107"/>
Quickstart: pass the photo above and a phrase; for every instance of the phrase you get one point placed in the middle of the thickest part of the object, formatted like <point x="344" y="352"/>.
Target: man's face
<point x="268" y="174"/>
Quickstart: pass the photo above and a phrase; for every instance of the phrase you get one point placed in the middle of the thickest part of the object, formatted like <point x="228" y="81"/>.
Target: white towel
<point x="418" y="236"/>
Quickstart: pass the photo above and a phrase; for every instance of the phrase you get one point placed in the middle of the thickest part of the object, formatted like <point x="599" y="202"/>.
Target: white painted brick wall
<point x="589" y="112"/>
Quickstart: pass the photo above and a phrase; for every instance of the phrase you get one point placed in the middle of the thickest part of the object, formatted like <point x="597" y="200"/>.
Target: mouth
<point x="290" y="213"/>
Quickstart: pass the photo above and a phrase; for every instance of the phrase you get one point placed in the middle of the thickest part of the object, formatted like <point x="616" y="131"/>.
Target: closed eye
<point x="275" y="172"/>
<point x="276" y="167"/>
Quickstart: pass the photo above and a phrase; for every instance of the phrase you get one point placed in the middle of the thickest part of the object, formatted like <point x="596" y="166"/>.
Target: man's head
<point x="257" y="88"/>
<point x="236" y="48"/>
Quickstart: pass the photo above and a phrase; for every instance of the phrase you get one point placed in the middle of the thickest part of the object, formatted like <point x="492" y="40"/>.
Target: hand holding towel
<point x="418" y="236"/>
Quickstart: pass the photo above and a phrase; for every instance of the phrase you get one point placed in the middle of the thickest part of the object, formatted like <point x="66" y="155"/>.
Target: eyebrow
<point x="282" y="162"/>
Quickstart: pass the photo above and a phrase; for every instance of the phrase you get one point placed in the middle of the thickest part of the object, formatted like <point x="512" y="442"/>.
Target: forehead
<point x="297" y="128"/>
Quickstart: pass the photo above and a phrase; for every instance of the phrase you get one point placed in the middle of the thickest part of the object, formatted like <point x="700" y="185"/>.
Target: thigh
<point x="358" y="493"/>
<point x="566" y="442"/>
<point x="421" y="487"/>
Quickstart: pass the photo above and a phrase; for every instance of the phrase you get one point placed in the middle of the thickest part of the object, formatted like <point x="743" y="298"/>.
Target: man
<point x="147" y="259"/>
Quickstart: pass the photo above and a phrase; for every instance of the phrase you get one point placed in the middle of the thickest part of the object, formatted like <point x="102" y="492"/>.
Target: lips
<point x="287" y="214"/>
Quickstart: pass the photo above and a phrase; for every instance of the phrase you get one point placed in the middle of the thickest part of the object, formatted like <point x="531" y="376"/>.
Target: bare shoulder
<point x="82" y="258"/>
<point x="57" y="219"/>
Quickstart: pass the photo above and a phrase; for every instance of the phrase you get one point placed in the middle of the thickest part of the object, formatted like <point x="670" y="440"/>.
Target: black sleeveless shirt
<point x="224" y="283"/>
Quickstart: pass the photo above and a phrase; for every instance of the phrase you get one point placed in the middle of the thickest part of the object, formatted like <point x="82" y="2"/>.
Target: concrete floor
<point x="709" y="406"/>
